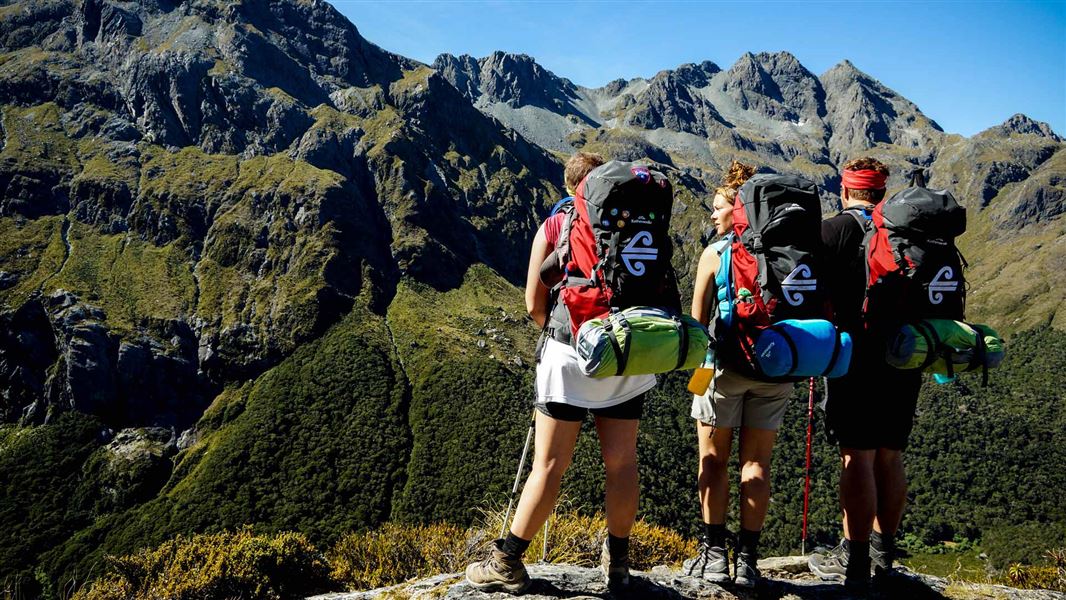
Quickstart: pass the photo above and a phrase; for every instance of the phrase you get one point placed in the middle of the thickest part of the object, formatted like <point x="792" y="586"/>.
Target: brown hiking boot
<point x="498" y="572"/>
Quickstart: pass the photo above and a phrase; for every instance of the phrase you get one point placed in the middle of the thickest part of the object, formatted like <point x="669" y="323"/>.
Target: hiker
<point x="564" y="397"/>
<point x="870" y="411"/>
<point x="732" y="401"/>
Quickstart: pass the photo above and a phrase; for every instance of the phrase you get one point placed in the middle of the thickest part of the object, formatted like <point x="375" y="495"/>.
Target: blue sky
<point x="967" y="65"/>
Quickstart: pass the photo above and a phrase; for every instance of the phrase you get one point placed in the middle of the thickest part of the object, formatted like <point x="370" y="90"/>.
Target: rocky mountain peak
<point x="514" y="79"/>
<point x="1021" y="124"/>
<point x="863" y="112"/>
<point x="693" y="74"/>
<point x="776" y="85"/>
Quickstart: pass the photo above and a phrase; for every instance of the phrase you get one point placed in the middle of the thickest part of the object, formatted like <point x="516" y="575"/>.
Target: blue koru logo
<point x="799" y="280"/>
<point x="638" y="251"/>
<point x="942" y="283"/>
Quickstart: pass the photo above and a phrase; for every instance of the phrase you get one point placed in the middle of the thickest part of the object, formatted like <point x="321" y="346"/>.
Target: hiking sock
<point x="715" y="534"/>
<point x="618" y="547"/>
<point x="858" y="560"/>
<point x="514" y="546"/>
<point x="748" y="542"/>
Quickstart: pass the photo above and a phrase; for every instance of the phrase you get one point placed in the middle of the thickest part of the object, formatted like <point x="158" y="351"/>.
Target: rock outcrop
<point x="785" y="578"/>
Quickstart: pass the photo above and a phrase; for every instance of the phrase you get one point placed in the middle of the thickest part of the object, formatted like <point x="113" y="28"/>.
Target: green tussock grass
<point x="36" y="140"/>
<point x="31" y="250"/>
<point x="128" y="278"/>
<point x="484" y="301"/>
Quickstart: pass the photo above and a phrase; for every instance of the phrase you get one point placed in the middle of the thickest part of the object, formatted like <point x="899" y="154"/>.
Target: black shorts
<point x="630" y="409"/>
<point x="872" y="406"/>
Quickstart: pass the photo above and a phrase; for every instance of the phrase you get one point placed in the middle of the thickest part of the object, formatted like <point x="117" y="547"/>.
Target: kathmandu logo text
<point x="634" y="255"/>
<point x="799" y="280"/>
<point x="942" y="283"/>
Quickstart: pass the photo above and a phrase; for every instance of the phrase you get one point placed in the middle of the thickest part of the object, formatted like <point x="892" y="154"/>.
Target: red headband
<point x="863" y="180"/>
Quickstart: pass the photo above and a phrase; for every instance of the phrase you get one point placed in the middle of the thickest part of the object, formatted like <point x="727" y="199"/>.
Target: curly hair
<point x="866" y="163"/>
<point x="735" y="177"/>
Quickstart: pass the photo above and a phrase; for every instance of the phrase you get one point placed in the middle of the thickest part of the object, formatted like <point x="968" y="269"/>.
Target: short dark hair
<point x="580" y="165"/>
<point x="866" y="163"/>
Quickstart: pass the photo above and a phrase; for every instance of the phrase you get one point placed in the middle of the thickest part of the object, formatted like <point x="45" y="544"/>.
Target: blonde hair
<point x="737" y="174"/>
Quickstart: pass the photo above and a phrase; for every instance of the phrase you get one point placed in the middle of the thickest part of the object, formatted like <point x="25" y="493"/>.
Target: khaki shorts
<point x="734" y="401"/>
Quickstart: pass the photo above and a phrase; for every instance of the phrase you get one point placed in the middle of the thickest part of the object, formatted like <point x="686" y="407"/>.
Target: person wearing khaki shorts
<point x="736" y="401"/>
<point x="731" y="401"/>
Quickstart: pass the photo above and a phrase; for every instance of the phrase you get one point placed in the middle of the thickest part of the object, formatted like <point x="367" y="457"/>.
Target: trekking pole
<point x="518" y="475"/>
<point x="807" y="476"/>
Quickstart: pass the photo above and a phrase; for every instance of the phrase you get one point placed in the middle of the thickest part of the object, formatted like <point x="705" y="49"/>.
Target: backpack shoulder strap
<point x="562" y="245"/>
<point x="723" y="282"/>
<point x="861" y="215"/>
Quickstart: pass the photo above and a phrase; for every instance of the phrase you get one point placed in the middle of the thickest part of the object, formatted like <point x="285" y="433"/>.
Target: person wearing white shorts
<point x="564" y="398"/>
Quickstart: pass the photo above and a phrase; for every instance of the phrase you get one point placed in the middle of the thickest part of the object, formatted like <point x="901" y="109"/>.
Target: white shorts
<point x="559" y="379"/>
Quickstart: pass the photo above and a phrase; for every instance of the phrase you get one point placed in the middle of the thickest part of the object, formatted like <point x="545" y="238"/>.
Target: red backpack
<point x="914" y="269"/>
<point x="775" y="262"/>
<point x="614" y="248"/>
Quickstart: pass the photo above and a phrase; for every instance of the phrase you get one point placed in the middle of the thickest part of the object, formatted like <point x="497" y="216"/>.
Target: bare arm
<point x="536" y="292"/>
<point x="704" y="293"/>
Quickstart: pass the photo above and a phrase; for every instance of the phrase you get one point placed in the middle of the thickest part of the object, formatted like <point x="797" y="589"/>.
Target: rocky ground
<point x="785" y="578"/>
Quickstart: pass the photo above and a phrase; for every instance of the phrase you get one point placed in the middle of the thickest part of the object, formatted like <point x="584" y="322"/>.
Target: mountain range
<point x="243" y="249"/>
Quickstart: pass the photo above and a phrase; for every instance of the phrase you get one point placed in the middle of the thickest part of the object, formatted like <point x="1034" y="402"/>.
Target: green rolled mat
<point x="650" y="339"/>
<point x="930" y="343"/>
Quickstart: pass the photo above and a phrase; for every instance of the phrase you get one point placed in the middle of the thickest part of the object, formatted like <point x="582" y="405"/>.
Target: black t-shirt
<point x="845" y="267"/>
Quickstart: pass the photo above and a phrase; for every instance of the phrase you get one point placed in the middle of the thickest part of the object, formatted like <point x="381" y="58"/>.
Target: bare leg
<point x="756" y="448"/>
<point x="891" y="490"/>
<point x="858" y="493"/>
<point x="618" y="445"/>
<point x="553" y="449"/>
<point x="715" y="444"/>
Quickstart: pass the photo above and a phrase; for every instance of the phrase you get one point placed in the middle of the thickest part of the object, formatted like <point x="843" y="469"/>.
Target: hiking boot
<point x="746" y="570"/>
<point x="615" y="570"/>
<point x="712" y="563"/>
<point x="832" y="565"/>
<point x="499" y="571"/>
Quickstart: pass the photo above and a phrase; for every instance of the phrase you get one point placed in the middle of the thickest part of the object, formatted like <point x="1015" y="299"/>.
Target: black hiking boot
<point x="746" y="570"/>
<point x="712" y="563"/>
<point x="498" y="571"/>
<point x="615" y="569"/>
<point x="882" y="557"/>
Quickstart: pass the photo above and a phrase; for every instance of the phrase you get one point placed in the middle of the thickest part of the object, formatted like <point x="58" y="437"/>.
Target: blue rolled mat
<point x="814" y="341"/>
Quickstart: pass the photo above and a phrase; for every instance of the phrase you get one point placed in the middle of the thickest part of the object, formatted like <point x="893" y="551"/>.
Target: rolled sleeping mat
<point x="803" y="348"/>
<point x="929" y="343"/>
<point x="648" y="340"/>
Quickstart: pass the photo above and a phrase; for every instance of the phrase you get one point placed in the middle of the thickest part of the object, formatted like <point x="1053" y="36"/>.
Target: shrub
<point x="222" y="565"/>
<point x="394" y="553"/>
<point x="1039" y="577"/>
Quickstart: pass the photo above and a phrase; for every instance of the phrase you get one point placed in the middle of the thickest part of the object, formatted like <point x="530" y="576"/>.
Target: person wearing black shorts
<point x="870" y="411"/>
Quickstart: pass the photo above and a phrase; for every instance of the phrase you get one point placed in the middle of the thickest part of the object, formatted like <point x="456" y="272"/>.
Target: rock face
<point x="785" y="578"/>
<point x="273" y="162"/>
<point x="57" y="353"/>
